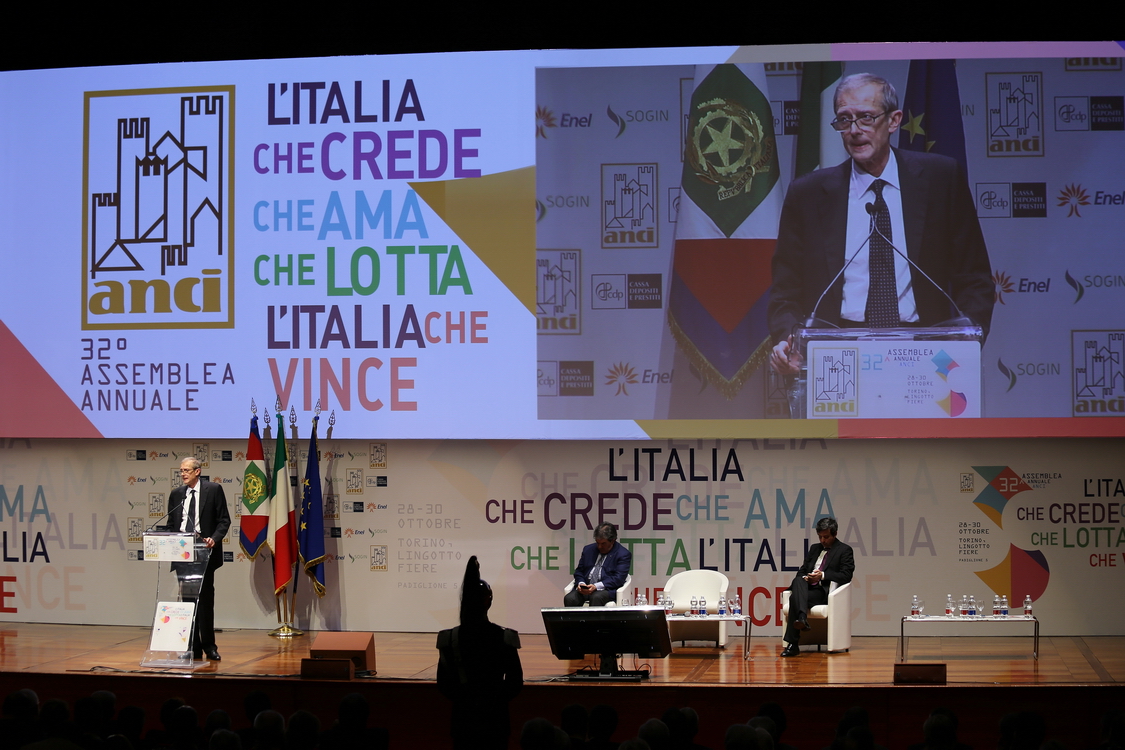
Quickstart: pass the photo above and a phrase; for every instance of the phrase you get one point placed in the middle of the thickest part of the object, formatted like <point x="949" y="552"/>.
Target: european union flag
<point x="310" y="529"/>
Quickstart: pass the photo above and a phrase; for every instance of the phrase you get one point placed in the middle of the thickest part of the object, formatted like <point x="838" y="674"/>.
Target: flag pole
<point x="285" y="606"/>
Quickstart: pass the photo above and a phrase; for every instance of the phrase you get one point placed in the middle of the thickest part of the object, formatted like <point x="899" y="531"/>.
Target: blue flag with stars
<point x="931" y="114"/>
<point x="310" y="529"/>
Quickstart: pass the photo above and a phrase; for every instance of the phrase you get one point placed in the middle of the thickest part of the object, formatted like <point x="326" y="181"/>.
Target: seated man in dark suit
<point x="601" y="570"/>
<point x="829" y="562"/>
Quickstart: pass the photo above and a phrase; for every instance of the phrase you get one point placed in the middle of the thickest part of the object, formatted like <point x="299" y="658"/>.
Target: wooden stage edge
<point x="1075" y="679"/>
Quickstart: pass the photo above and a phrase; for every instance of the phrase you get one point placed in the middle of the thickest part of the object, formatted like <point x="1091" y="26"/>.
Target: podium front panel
<point x="893" y="380"/>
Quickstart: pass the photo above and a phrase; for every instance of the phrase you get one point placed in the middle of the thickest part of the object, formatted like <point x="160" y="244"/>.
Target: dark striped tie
<point x="882" y="294"/>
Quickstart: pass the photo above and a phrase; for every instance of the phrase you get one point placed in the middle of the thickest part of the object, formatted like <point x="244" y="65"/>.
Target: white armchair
<point x="625" y="588"/>
<point x="682" y="587"/>
<point x="829" y="624"/>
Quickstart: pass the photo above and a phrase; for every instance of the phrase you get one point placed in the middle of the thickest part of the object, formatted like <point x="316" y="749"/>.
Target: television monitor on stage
<point x="574" y="632"/>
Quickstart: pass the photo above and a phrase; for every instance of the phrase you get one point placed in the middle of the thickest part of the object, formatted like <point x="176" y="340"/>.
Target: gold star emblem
<point x="722" y="142"/>
<point x="914" y="125"/>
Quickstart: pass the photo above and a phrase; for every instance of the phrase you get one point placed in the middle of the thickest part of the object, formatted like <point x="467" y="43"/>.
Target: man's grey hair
<point x="828" y="524"/>
<point x="192" y="462"/>
<point x="606" y="531"/>
<point x="858" y="80"/>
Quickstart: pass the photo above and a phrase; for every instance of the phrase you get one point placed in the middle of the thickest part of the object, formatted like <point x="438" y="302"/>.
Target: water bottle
<point x="996" y="605"/>
<point x="964" y="605"/>
<point x="694" y="606"/>
<point x="972" y="606"/>
<point x="642" y="600"/>
<point x="736" y="607"/>
<point x="914" y="607"/>
<point x="1027" y="606"/>
<point x="950" y="610"/>
<point x="722" y="605"/>
<point x="702" y="607"/>
<point x="1004" y="605"/>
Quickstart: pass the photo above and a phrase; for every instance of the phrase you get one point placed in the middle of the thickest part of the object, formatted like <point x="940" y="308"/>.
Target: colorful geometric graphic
<point x="1003" y="485"/>
<point x="943" y="364"/>
<point x="954" y="404"/>
<point x="1022" y="573"/>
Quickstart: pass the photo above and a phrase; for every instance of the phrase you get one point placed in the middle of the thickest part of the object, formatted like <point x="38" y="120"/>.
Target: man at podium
<point x="889" y="238"/>
<point x="201" y="508"/>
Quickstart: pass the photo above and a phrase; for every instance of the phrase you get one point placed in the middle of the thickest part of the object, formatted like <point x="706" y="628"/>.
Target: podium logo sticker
<point x="157" y="200"/>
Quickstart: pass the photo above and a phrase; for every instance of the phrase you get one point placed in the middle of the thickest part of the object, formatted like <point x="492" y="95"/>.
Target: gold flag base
<point x="286" y="631"/>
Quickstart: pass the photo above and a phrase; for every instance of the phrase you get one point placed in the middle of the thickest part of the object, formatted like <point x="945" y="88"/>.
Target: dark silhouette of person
<point x="479" y="668"/>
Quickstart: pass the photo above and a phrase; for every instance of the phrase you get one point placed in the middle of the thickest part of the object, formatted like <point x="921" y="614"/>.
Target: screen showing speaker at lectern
<point x="595" y="244"/>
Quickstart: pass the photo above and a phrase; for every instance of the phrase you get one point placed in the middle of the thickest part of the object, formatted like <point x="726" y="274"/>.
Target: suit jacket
<point x="943" y="236"/>
<point x="615" y="568"/>
<point x="214" y="518"/>
<point x="838" y="567"/>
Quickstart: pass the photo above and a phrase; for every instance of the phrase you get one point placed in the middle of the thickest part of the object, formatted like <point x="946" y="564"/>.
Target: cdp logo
<point x="994" y="200"/>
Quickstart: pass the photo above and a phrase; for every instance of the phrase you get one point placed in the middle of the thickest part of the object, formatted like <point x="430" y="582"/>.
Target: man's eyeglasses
<point x="865" y="122"/>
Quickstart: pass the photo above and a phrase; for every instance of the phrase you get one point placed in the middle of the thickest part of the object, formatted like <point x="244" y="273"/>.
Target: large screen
<point x="500" y="245"/>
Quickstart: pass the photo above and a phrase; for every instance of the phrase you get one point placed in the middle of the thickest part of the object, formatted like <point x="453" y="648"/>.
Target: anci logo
<point x="629" y="206"/>
<point x="1100" y="64"/>
<point x="158" y="231"/>
<point x="836" y="386"/>
<point x="558" y="292"/>
<point x="1099" y="373"/>
<point x="1015" y="114"/>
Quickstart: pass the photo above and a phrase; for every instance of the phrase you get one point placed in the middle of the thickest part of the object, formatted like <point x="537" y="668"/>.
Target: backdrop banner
<point x="1043" y="518"/>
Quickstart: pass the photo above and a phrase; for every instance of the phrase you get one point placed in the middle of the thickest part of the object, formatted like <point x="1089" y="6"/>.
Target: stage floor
<point x="970" y="660"/>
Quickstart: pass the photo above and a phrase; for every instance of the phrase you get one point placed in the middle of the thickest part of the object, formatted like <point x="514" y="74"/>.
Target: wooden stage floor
<point x="1075" y="680"/>
<point x="992" y="660"/>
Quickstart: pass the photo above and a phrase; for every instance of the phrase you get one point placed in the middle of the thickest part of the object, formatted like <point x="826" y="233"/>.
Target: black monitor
<point x="608" y="631"/>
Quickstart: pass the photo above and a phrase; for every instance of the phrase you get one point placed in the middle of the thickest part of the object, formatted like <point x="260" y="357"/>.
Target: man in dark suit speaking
<point x="201" y="508"/>
<point x="916" y="202"/>
<point x="601" y="570"/>
<point x="829" y="562"/>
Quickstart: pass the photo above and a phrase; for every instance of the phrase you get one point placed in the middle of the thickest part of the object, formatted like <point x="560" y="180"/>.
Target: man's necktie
<point x="596" y="573"/>
<point x="882" y="294"/>
<point x="191" y="511"/>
